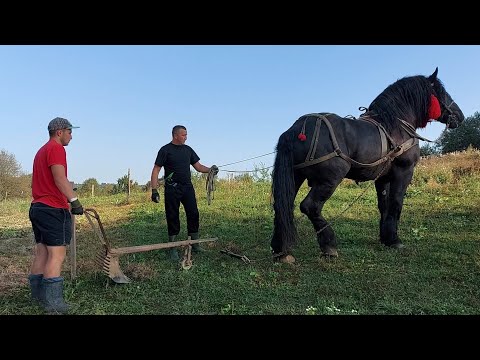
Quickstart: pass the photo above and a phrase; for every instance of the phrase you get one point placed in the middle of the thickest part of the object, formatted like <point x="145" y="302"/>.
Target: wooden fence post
<point x="128" y="196"/>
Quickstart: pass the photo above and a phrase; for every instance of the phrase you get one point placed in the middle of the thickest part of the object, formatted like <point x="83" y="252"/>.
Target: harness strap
<point x="383" y="138"/>
<point x="380" y="126"/>
<point x="410" y="130"/>
<point x="316" y="161"/>
<point x="309" y="160"/>
<point x="392" y="154"/>
<point x="383" y="134"/>
<point x="313" y="144"/>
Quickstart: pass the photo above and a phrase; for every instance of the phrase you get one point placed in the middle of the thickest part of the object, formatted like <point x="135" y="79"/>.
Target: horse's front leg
<point x="312" y="206"/>
<point x="401" y="177"/>
<point x="383" y="192"/>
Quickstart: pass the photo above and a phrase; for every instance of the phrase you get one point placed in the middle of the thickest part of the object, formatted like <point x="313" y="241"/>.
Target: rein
<point x="210" y="186"/>
<point x="410" y="130"/>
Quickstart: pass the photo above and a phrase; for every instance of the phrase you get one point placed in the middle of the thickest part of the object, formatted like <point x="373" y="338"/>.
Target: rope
<point x="210" y="183"/>
<point x="210" y="186"/>
<point x="354" y="200"/>
<point x="256" y="157"/>
<point x="247" y="171"/>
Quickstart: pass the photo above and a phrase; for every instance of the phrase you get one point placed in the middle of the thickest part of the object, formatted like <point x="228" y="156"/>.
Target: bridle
<point x="451" y="116"/>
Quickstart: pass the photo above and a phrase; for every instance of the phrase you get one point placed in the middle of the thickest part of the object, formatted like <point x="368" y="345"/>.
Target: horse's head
<point x="451" y="115"/>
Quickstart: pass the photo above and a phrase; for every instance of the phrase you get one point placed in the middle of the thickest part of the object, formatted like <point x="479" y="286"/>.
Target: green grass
<point x="437" y="273"/>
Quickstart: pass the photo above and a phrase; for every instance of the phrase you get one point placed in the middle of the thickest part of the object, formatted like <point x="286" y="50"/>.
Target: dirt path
<point x="15" y="257"/>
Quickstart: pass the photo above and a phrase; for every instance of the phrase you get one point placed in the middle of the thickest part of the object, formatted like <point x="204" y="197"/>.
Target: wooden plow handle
<point x="92" y="213"/>
<point x="109" y="258"/>
<point x="143" y="248"/>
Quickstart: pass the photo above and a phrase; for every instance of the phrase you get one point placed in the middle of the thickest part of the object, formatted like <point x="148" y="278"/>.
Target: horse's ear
<point x="433" y="77"/>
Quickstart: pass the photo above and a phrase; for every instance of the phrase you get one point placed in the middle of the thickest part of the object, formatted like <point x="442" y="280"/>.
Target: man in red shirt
<point x="50" y="216"/>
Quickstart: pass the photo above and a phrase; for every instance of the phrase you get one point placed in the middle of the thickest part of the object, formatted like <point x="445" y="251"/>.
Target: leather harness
<point x="396" y="150"/>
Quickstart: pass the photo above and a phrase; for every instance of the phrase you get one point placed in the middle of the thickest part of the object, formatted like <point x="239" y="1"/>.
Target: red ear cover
<point x="434" y="110"/>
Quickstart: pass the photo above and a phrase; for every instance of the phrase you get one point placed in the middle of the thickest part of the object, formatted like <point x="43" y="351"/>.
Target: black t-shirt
<point x="177" y="159"/>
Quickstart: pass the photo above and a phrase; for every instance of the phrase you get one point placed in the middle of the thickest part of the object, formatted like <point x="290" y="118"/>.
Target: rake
<point x="109" y="258"/>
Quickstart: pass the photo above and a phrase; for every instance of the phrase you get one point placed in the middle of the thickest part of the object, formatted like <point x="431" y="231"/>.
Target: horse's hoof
<point x="329" y="252"/>
<point x="287" y="259"/>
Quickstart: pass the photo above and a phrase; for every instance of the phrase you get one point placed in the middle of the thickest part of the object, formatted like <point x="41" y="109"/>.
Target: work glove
<point x="155" y="196"/>
<point x="77" y="208"/>
<point x="214" y="168"/>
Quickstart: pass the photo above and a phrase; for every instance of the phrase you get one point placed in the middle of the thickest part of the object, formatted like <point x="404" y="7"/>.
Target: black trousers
<point x="174" y="195"/>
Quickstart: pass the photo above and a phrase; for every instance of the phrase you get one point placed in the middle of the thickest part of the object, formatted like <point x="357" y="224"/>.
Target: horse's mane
<point x="407" y="99"/>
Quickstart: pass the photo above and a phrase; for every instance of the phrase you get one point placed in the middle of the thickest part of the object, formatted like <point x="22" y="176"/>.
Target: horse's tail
<point x="283" y="191"/>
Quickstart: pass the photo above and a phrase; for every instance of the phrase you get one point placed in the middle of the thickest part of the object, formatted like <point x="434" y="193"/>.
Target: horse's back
<point x="359" y="140"/>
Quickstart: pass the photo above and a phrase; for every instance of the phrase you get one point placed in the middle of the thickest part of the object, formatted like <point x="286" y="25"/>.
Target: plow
<point x="109" y="258"/>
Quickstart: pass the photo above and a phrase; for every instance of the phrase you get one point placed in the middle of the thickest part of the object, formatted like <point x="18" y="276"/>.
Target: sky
<point x="234" y="100"/>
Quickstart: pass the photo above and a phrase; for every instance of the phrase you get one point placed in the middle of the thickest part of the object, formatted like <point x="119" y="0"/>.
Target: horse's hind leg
<point x="312" y="206"/>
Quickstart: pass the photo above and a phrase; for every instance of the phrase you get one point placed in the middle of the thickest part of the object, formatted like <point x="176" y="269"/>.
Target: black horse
<point x="380" y="145"/>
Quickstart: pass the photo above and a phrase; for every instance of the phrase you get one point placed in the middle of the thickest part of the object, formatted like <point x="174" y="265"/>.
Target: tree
<point x="8" y="164"/>
<point x="468" y="133"/>
<point x="122" y="185"/>
<point x="23" y="186"/>
<point x="428" y="149"/>
<point x="107" y="189"/>
<point x="86" y="187"/>
<point x="9" y="177"/>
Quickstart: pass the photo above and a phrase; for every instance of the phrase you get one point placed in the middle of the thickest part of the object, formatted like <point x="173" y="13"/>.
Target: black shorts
<point x="51" y="226"/>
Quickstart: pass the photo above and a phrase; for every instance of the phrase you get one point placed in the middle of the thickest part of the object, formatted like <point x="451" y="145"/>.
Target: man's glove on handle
<point x="77" y="208"/>
<point x="155" y="196"/>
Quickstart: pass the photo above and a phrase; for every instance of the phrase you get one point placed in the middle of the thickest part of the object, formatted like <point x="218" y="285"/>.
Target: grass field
<point x="436" y="273"/>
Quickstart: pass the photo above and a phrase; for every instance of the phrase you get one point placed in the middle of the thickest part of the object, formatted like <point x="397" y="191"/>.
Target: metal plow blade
<point x="110" y="265"/>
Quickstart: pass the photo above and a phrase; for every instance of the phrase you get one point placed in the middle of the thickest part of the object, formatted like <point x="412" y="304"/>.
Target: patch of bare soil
<point x="16" y="255"/>
<point x="139" y="271"/>
<point x="17" y="246"/>
<point x="14" y="266"/>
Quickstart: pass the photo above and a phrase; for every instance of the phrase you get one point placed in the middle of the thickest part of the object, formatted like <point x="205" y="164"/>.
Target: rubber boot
<point x="173" y="252"/>
<point x="195" y="247"/>
<point x="36" y="287"/>
<point x="54" y="302"/>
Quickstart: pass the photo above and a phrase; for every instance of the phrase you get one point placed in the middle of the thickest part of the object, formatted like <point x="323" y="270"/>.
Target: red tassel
<point x="302" y="137"/>
<point x="434" y="110"/>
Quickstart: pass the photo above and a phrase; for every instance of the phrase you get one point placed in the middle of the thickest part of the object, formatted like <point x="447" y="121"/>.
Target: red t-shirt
<point x="44" y="189"/>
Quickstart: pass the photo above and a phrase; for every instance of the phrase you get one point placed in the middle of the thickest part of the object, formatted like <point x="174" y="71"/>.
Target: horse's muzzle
<point x="452" y="122"/>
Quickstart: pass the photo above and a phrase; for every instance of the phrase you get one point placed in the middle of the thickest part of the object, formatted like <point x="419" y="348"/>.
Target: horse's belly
<point x="362" y="174"/>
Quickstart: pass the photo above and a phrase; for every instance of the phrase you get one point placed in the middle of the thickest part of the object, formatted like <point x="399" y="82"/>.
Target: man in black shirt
<point x="176" y="158"/>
